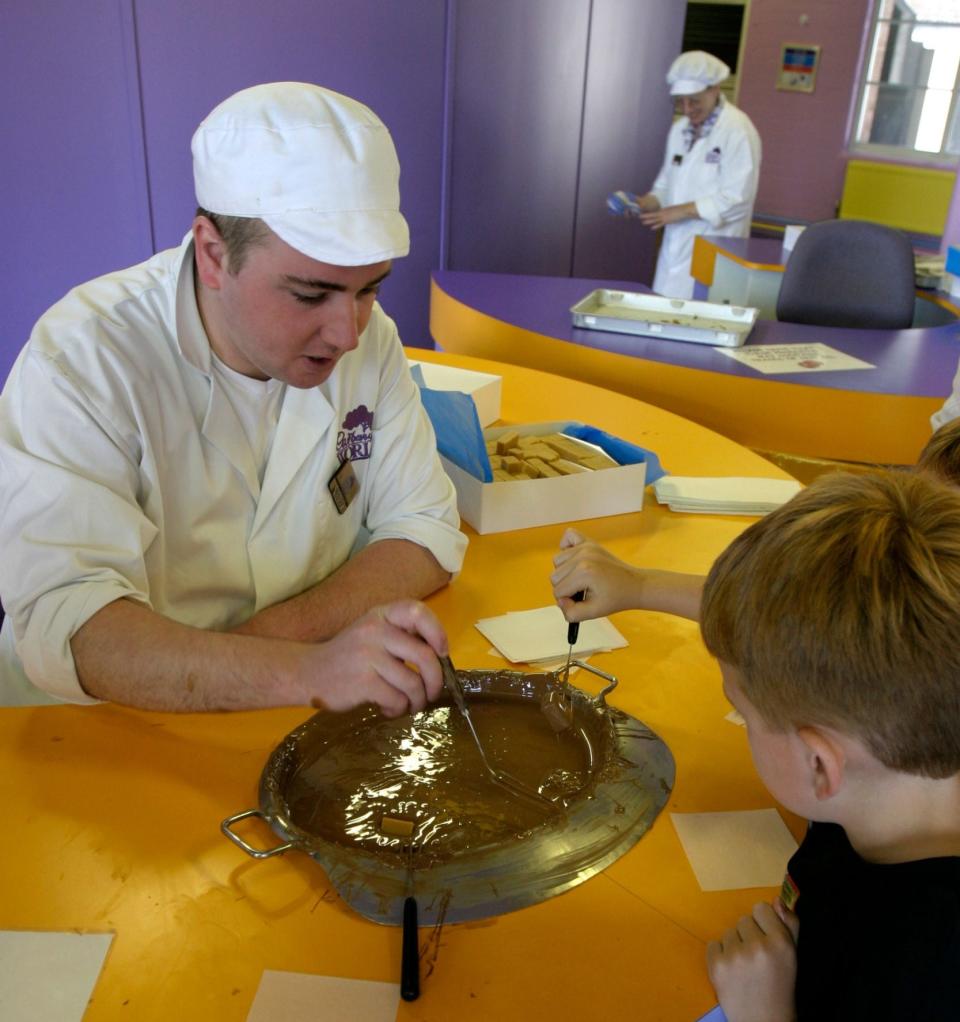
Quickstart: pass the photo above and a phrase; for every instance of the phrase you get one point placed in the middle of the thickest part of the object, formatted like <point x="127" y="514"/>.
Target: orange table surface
<point x="112" y="815"/>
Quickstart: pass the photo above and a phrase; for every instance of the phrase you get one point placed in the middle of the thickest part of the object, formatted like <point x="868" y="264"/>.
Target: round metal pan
<point x="628" y="775"/>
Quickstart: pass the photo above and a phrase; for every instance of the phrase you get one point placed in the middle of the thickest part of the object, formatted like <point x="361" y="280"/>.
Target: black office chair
<point x="849" y="273"/>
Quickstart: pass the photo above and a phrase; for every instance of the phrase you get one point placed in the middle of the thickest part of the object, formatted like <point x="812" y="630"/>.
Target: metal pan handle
<point x="601" y="699"/>
<point x="255" y="853"/>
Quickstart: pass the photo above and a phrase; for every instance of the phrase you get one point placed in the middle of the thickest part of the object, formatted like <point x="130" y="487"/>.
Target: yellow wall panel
<point x="912" y="198"/>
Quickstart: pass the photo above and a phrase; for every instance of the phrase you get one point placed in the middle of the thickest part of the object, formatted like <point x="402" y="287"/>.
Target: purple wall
<point x="804" y="135"/>
<point x="99" y="184"/>
<point x="513" y="121"/>
<point x="72" y="172"/>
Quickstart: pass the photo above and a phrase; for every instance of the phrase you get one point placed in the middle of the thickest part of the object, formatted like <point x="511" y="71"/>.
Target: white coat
<point x="720" y="174"/>
<point x="951" y="407"/>
<point x="124" y="472"/>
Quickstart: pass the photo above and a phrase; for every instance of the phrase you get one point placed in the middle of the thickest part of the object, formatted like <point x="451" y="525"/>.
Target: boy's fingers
<point x="571" y="538"/>
<point x="789" y="919"/>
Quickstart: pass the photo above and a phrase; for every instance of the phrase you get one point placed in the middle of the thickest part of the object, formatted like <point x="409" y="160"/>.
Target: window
<point x="910" y="96"/>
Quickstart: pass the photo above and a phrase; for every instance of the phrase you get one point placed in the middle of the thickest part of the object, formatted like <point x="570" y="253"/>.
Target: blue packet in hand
<point x="622" y="202"/>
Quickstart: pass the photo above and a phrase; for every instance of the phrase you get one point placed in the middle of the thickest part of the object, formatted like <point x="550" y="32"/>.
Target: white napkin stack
<point x="726" y="495"/>
<point x="540" y="635"/>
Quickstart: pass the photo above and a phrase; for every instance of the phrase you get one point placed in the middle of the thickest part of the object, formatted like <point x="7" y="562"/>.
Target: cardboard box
<point x="484" y="388"/>
<point x="525" y="503"/>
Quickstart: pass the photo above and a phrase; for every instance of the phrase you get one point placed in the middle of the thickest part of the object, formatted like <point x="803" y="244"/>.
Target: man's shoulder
<point x="676" y="129"/>
<point x="110" y="304"/>
<point x="381" y="325"/>
<point x="734" y="119"/>
<point x="380" y="345"/>
<point x="112" y="335"/>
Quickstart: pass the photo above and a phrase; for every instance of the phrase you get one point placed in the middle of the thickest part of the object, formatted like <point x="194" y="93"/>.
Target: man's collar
<point x="191" y="336"/>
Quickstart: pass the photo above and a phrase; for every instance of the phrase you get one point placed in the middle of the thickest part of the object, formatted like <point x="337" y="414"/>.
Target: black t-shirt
<point x="876" y="942"/>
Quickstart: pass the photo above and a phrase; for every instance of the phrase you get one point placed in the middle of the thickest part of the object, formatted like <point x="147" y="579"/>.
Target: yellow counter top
<point x="112" y="815"/>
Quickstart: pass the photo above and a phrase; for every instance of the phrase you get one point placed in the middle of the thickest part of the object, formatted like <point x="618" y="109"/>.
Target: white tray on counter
<point x="673" y="319"/>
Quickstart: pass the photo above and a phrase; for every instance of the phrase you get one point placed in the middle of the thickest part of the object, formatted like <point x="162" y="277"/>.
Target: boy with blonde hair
<point x="836" y="621"/>
<point x="941" y="454"/>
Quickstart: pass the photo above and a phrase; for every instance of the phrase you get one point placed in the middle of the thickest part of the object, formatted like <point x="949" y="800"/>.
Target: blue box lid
<point x="953" y="260"/>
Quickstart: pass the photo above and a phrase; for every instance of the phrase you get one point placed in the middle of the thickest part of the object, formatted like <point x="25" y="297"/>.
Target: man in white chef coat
<point x="708" y="181"/>
<point x="218" y="486"/>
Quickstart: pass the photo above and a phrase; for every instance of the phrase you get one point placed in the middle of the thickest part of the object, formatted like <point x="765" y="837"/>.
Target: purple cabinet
<point x="627" y="114"/>
<point x="556" y="103"/>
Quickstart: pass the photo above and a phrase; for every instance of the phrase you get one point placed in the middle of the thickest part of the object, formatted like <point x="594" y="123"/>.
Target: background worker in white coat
<point x="708" y="182"/>
<point x="215" y="469"/>
<point x="951" y="407"/>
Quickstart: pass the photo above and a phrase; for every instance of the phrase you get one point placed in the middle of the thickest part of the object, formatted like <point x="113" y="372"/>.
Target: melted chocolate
<point x="427" y="769"/>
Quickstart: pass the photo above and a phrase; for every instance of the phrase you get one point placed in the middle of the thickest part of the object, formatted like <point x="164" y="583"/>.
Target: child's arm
<point x="611" y="584"/>
<point x="753" y="967"/>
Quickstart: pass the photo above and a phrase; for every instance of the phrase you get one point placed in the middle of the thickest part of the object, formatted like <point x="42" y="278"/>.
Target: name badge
<point x="343" y="486"/>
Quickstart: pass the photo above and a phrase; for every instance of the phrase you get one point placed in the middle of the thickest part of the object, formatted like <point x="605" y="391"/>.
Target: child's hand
<point x="753" y="967"/>
<point x="608" y="583"/>
<point x="611" y="584"/>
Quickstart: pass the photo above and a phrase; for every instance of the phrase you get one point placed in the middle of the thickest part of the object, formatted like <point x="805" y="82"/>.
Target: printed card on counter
<point x="794" y="358"/>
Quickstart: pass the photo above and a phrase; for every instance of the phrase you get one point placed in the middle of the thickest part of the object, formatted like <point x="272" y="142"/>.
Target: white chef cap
<point x="695" y="71"/>
<point x="319" y="168"/>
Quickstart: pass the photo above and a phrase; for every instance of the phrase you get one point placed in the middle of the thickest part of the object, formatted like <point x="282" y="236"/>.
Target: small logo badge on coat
<point x="714" y="155"/>
<point x="355" y="439"/>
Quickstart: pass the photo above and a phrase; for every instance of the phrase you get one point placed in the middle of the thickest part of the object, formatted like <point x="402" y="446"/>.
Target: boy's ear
<point x="210" y="253"/>
<point x="826" y="761"/>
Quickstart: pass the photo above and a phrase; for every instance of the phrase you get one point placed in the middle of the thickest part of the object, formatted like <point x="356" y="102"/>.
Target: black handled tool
<point x="404" y="827"/>
<point x="556" y="704"/>
<point x="410" y="954"/>
<point x="573" y="632"/>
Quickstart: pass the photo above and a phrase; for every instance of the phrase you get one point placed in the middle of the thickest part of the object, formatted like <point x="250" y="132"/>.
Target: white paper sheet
<point x="49" y="977"/>
<point x="547" y="665"/>
<point x="529" y="636"/>
<point x="794" y="358"/>
<point x="728" y="851"/>
<point x="299" y="997"/>
<point x="744" y="495"/>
